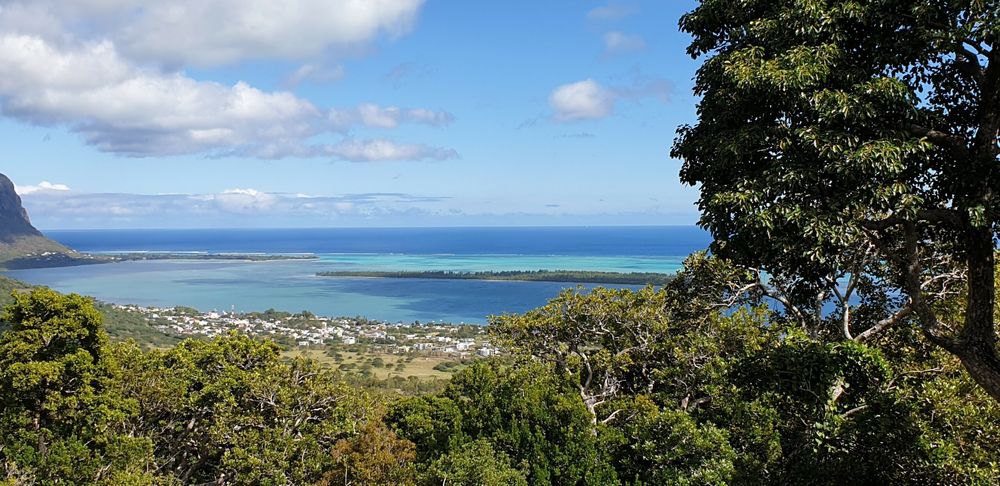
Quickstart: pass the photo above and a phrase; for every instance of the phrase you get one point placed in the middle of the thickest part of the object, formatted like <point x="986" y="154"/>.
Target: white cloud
<point x="110" y="71"/>
<point x="375" y="116"/>
<point x="215" y="32"/>
<point x="589" y="100"/>
<point x="582" y="100"/>
<point x="44" y="186"/>
<point x="241" y="205"/>
<point x="244" y="200"/>
<point x="612" y="12"/>
<point x="618" y="43"/>
<point x="379" y="150"/>
<point x="120" y="108"/>
<point x="254" y="207"/>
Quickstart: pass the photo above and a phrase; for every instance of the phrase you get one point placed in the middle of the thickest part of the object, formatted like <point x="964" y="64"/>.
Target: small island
<point x="573" y="276"/>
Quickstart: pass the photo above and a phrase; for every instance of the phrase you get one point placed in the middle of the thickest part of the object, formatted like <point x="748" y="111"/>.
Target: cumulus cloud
<point x="375" y="116"/>
<point x="612" y="12"/>
<point x="619" y="43"/>
<point x="98" y="82"/>
<point x="123" y="109"/>
<point x="130" y="111"/>
<point x="589" y="100"/>
<point x="215" y="32"/>
<point x="582" y="100"/>
<point x="41" y="187"/>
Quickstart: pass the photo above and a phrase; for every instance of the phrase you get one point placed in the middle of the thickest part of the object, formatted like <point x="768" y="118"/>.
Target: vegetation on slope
<point x="656" y="386"/>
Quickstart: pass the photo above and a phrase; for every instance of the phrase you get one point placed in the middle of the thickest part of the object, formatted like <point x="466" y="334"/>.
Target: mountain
<point x="23" y="246"/>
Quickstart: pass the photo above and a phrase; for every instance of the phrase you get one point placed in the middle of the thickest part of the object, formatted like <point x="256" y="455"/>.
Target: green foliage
<point x="525" y="412"/>
<point x="474" y="463"/>
<point x="60" y="413"/>
<point x="376" y="456"/>
<point x="839" y="139"/>
<point x="668" y="446"/>
<point x="804" y="131"/>
<point x="835" y="405"/>
<point x="619" y="342"/>
<point x="608" y="387"/>
<point x="712" y="397"/>
<point x="233" y="408"/>
<point x="447" y="366"/>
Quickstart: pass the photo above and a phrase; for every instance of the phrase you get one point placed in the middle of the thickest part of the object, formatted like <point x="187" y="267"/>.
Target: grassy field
<point x="123" y="325"/>
<point x="421" y="367"/>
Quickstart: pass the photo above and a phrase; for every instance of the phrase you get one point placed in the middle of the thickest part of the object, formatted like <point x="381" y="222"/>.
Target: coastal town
<point x="306" y="330"/>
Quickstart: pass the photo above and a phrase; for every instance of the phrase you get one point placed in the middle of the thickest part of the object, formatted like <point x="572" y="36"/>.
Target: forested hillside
<point x="657" y="386"/>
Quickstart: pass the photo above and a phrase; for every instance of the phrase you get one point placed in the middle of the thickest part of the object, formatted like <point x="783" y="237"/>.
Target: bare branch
<point x="885" y="323"/>
<point x="932" y="328"/>
<point x="853" y="411"/>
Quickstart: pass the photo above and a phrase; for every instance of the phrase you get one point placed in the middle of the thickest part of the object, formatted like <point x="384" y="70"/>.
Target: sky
<point x="345" y="113"/>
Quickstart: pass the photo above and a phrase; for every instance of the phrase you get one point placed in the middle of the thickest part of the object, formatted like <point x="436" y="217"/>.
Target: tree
<point x="232" y="410"/>
<point x="527" y="413"/>
<point x="620" y="342"/>
<point x="838" y="138"/>
<point x="373" y="457"/>
<point x="60" y="414"/>
<point x="606" y="341"/>
<point x="474" y="464"/>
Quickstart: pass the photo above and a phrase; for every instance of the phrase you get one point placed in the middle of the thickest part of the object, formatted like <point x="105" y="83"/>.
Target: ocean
<point x="292" y="285"/>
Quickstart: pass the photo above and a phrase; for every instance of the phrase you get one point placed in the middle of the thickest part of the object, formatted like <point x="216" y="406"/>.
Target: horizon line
<point x="242" y="228"/>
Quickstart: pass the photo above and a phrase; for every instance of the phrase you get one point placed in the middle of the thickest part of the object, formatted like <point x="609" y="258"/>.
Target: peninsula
<point x="572" y="276"/>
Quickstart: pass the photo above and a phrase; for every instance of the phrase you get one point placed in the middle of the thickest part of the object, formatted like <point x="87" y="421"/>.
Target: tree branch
<point x="930" y="325"/>
<point x="944" y="216"/>
<point x="885" y="323"/>
<point x="971" y="64"/>
<point x="939" y="138"/>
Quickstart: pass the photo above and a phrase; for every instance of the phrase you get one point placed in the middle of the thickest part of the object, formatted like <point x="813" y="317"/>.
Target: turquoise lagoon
<point x="292" y="285"/>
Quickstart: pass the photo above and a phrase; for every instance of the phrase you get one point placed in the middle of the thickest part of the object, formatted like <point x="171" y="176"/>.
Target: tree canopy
<point x="840" y="140"/>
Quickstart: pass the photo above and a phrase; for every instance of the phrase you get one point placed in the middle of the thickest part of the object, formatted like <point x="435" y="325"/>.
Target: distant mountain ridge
<point x="14" y="222"/>
<point x="21" y="244"/>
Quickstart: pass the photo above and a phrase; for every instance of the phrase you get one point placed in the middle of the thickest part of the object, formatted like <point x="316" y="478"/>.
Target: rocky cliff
<point x="23" y="246"/>
<point x="14" y="222"/>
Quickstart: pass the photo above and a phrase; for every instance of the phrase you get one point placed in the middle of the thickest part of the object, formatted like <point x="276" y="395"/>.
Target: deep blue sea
<point x="293" y="286"/>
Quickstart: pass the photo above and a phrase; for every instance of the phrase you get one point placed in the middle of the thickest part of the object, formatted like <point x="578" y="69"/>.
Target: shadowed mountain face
<point x="14" y="221"/>
<point x="23" y="246"/>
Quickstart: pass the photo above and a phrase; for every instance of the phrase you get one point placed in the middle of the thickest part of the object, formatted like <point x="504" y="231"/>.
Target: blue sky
<point x="316" y="113"/>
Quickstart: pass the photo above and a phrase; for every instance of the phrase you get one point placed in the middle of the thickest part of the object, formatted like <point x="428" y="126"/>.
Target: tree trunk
<point x="976" y="343"/>
<point x="984" y="367"/>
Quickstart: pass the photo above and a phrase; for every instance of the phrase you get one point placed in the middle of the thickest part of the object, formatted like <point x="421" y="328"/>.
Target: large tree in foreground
<point x="856" y="140"/>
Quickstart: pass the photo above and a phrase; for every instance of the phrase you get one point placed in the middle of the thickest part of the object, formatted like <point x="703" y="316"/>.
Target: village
<point x="306" y="330"/>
